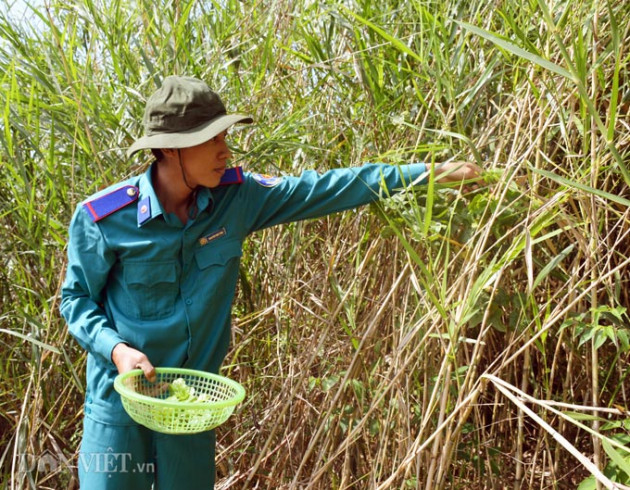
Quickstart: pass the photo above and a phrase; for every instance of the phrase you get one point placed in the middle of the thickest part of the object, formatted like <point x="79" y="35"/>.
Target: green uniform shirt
<point x="137" y="275"/>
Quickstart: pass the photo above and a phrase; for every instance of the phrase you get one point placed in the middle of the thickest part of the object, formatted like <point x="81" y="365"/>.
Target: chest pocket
<point x="152" y="288"/>
<point x="218" y="253"/>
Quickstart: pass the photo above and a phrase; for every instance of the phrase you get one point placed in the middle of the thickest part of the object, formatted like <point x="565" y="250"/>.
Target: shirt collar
<point x="150" y="207"/>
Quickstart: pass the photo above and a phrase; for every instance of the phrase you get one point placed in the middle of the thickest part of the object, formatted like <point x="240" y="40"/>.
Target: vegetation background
<point x="443" y="339"/>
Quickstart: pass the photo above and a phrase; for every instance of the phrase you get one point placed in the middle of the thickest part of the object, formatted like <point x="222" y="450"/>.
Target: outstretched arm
<point x="281" y="200"/>
<point x="272" y="201"/>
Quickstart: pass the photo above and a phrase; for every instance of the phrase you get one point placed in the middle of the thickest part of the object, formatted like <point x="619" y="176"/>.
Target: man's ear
<point x="169" y="152"/>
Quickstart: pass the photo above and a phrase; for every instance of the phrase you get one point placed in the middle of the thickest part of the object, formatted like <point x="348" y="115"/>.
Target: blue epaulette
<point x="107" y="204"/>
<point x="232" y="175"/>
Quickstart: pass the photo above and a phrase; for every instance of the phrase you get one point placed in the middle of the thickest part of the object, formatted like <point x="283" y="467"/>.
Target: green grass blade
<point x="397" y="43"/>
<point x="518" y="51"/>
<point x="552" y="265"/>
<point x="583" y="187"/>
<point x="31" y="340"/>
<point x="614" y="93"/>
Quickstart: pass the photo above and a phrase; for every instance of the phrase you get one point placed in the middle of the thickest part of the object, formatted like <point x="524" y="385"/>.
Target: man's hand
<point x="127" y="358"/>
<point x="457" y="172"/>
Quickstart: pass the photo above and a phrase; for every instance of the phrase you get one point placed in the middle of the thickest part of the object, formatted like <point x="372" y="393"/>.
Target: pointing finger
<point x="148" y="369"/>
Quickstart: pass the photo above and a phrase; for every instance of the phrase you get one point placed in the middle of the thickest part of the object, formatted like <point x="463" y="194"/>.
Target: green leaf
<point x="622" y="335"/>
<point x="31" y="340"/>
<point x="614" y="93"/>
<point x="583" y="416"/>
<point x="518" y="51"/>
<point x="611" y="333"/>
<point x="552" y="265"/>
<point x="600" y="338"/>
<point x="589" y="484"/>
<point x="497" y="322"/>
<point x="329" y="382"/>
<point x="587" y="335"/>
<point x="397" y="43"/>
<point x="620" y="460"/>
<point x="586" y="188"/>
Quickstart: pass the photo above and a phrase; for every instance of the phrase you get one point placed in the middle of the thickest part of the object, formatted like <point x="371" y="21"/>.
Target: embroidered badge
<point x="212" y="236"/>
<point x="267" y="180"/>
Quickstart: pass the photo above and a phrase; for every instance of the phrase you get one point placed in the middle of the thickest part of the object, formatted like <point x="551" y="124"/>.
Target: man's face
<point x="205" y="164"/>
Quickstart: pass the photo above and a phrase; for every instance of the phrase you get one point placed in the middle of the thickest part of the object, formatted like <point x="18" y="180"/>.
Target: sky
<point x="19" y="10"/>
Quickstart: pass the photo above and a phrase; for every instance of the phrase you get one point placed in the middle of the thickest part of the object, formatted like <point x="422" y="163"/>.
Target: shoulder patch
<point x="267" y="180"/>
<point x="103" y="206"/>
<point x="232" y="175"/>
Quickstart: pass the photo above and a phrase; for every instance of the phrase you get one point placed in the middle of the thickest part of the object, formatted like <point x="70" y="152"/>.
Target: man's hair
<point x="157" y="153"/>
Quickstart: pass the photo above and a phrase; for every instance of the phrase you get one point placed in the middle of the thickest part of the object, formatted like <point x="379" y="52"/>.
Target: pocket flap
<point x="149" y="273"/>
<point x="218" y="253"/>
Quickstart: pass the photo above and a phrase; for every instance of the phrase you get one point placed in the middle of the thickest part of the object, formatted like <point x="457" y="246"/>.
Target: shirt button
<point x="189" y="301"/>
<point x="131" y="192"/>
<point x="87" y="410"/>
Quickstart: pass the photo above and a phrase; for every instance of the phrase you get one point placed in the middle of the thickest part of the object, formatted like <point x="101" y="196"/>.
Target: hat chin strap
<point x="179" y="157"/>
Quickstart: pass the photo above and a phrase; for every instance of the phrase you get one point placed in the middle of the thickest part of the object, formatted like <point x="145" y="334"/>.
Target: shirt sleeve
<point x="89" y="263"/>
<point x="271" y="201"/>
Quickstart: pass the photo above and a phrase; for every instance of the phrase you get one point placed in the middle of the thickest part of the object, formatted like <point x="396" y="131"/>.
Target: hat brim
<point x="192" y="137"/>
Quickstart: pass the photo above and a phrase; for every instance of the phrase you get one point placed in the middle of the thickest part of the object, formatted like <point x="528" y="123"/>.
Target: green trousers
<point x="136" y="458"/>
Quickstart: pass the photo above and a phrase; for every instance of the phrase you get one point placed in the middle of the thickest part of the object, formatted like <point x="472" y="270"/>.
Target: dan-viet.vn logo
<point x="43" y="463"/>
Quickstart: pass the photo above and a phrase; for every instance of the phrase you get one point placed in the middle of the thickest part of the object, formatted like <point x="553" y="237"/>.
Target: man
<point x="153" y="265"/>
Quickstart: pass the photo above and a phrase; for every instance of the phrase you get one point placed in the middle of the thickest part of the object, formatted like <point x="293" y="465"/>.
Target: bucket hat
<point x="183" y="112"/>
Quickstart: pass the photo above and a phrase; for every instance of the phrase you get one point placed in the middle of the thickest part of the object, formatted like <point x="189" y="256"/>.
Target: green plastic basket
<point x="145" y="402"/>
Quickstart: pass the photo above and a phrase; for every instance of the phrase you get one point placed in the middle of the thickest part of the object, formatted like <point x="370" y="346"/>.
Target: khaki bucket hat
<point x="183" y="112"/>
